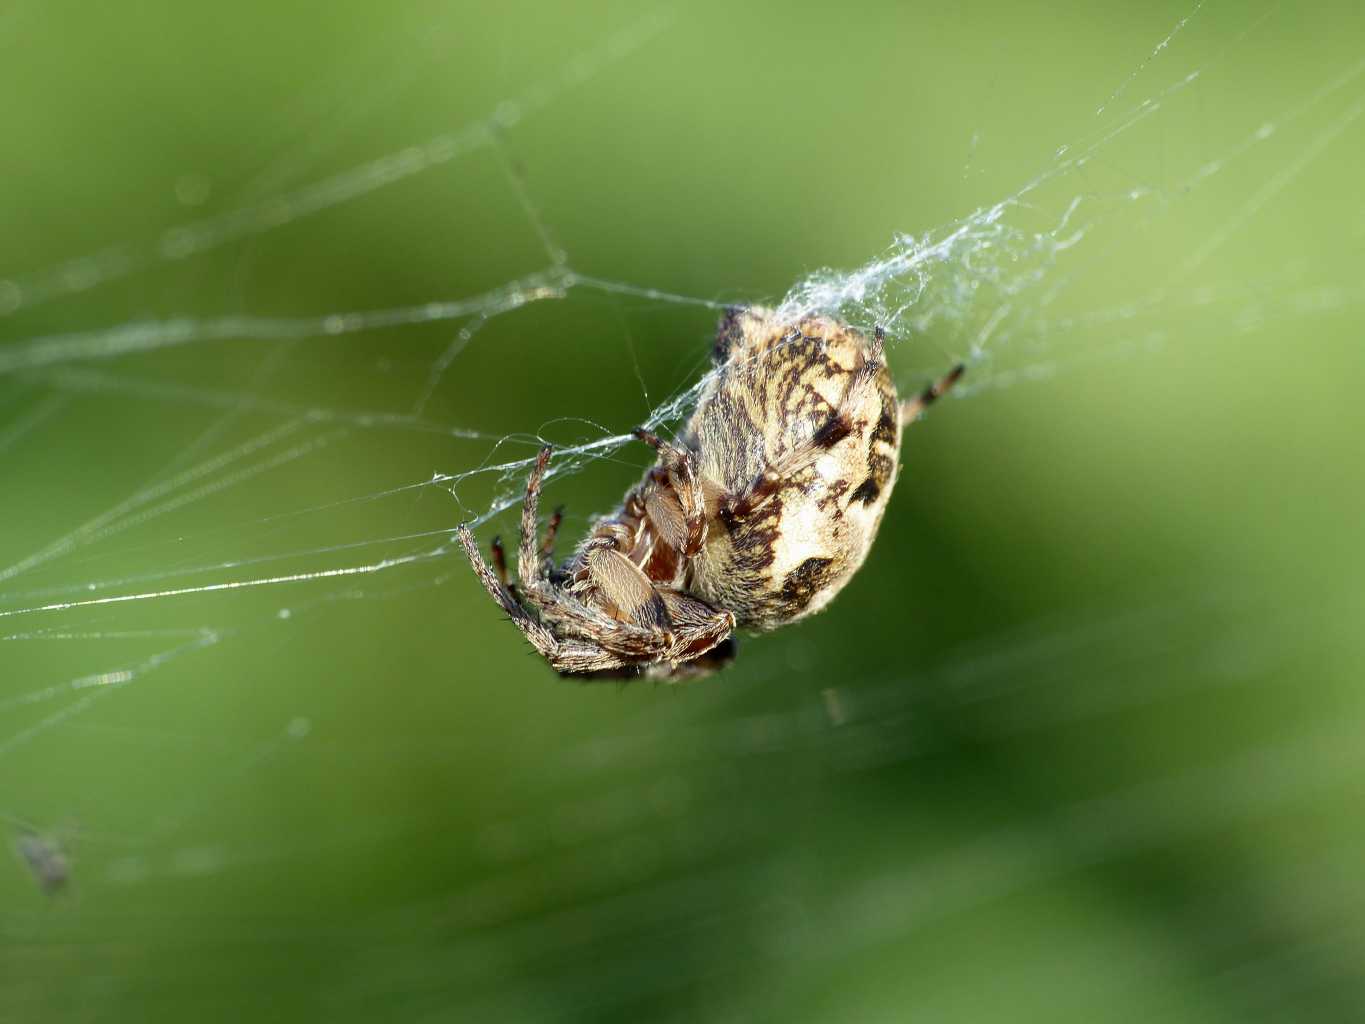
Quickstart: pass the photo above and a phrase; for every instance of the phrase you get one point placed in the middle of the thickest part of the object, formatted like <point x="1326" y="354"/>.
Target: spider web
<point x="222" y="477"/>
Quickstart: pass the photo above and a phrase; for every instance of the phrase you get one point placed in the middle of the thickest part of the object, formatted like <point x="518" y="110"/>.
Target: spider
<point x="756" y="516"/>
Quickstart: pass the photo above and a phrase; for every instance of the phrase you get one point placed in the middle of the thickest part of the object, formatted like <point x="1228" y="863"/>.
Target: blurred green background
<point x="1082" y="741"/>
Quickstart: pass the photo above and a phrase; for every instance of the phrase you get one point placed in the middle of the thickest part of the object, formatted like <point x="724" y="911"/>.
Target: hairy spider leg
<point x="540" y="637"/>
<point x="499" y="561"/>
<point x="587" y="641"/>
<point x="565" y="655"/>
<point x="681" y="466"/>
<point x="911" y="410"/>
<point x="528" y="557"/>
<point x="547" y="547"/>
<point x="571" y="656"/>
<point x="613" y="643"/>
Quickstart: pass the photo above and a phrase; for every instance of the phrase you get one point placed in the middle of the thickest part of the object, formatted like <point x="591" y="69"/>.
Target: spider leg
<point x="569" y="656"/>
<point x="697" y="627"/>
<point x="686" y="671"/>
<point x="910" y="411"/>
<point x="639" y="625"/>
<point x="499" y="559"/>
<point x="630" y="642"/>
<point x="680" y="465"/>
<point x="682" y="626"/>
<point x="528" y="558"/>
<point x="584" y="658"/>
<point x="547" y="547"/>
<point x="541" y="638"/>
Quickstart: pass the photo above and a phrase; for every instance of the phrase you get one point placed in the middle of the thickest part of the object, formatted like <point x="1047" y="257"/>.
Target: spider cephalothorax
<point x="756" y="516"/>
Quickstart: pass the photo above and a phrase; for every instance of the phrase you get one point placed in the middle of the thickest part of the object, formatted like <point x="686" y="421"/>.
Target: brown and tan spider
<point x="756" y="516"/>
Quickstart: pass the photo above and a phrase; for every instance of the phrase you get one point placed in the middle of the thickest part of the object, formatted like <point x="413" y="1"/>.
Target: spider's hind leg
<point x="910" y="411"/>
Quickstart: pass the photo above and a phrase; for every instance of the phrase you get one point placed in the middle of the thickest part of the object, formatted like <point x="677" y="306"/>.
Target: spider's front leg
<point x="541" y="638"/>
<point x="630" y="625"/>
<point x="539" y="562"/>
<point x="586" y="635"/>
<point x="714" y="660"/>
<point x="681" y="516"/>
<point x="528" y="557"/>
<point x="571" y="655"/>
<point x="500" y="564"/>
<point x="547" y="546"/>
<point x="564" y="655"/>
<point x="650" y="623"/>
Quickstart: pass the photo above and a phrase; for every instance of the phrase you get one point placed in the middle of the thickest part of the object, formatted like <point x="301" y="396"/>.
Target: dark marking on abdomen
<point x="805" y="581"/>
<point x="835" y="430"/>
<point x="879" y="466"/>
<point x="867" y="492"/>
<point x="885" y="430"/>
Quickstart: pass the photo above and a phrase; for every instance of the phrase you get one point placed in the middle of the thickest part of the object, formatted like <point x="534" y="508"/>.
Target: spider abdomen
<point x="811" y="405"/>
